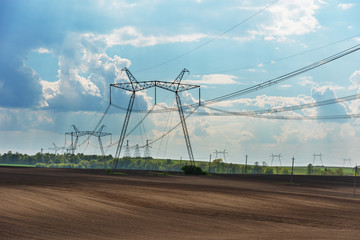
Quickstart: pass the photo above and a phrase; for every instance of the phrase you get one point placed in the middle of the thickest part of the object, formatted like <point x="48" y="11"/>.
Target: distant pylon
<point x="347" y="160"/>
<point x="127" y="149"/>
<point x="320" y="157"/>
<point x="216" y="152"/>
<point x="147" y="153"/>
<point x="278" y="156"/>
<point x="137" y="152"/>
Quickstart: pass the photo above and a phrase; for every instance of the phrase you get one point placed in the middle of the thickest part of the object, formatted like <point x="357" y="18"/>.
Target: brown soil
<point x="90" y="204"/>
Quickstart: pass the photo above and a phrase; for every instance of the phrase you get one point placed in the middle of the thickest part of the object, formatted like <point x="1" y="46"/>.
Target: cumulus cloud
<point x="345" y="6"/>
<point x="85" y="72"/>
<point x="355" y="81"/>
<point x="325" y="93"/>
<point x="19" y="84"/>
<point x="290" y="132"/>
<point x="42" y="50"/>
<point x="131" y="36"/>
<point x="306" y="80"/>
<point x="290" y="18"/>
<point x="214" y="79"/>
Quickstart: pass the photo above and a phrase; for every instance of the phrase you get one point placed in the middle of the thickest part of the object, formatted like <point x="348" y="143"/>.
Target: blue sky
<point x="59" y="57"/>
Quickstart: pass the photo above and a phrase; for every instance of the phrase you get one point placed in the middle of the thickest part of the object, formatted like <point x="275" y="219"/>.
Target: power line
<point x="279" y="109"/>
<point x="209" y="41"/>
<point x="285" y="76"/>
<point x="280" y="59"/>
<point x="331" y="117"/>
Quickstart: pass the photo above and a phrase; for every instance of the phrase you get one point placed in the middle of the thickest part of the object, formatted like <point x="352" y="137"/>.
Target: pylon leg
<point x="186" y="134"/>
<point x="123" y="131"/>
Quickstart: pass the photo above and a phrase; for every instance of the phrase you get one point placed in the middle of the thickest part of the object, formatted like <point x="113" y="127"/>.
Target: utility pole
<point x="292" y="170"/>
<point x="246" y="156"/>
<point x="356" y="169"/>
<point x="209" y="163"/>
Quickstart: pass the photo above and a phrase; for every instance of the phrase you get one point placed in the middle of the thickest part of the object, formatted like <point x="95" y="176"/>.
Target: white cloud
<point x="290" y="18"/>
<point x="285" y="86"/>
<point x="355" y="81"/>
<point x="215" y="79"/>
<point x="309" y="131"/>
<point x="345" y="6"/>
<point x="306" y="80"/>
<point x="42" y="50"/>
<point x="85" y="72"/>
<point x="130" y="36"/>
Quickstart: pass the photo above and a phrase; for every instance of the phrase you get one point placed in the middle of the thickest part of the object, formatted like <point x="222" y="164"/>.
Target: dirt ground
<point x="38" y="203"/>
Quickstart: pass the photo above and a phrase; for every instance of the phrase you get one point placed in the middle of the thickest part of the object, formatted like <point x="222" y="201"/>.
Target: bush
<point x="193" y="170"/>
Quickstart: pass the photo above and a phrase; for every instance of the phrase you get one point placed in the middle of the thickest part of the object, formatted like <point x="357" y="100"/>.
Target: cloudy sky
<point x="57" y="59"/>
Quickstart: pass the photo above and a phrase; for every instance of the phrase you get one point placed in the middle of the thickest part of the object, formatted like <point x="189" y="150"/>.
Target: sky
<point x="58" y="59"/>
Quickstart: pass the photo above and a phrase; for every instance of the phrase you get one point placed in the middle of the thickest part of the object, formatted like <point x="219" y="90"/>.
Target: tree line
<point x="50" y="160"/>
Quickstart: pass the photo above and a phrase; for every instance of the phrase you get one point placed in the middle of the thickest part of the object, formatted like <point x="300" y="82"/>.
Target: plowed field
<point x="90" y="204"/>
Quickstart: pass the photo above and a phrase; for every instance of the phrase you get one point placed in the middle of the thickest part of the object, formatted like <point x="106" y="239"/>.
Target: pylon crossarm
<point x="123" y="131"/>
<point x="139" y="86"/>
<point x="185" y="131"/>
<point x="128" y="86"/>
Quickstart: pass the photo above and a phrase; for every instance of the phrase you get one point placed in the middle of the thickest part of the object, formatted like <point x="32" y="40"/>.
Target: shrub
<point x="285" y="171"/>
<point x="309" y="169"/>
<point x="193" y="170"/>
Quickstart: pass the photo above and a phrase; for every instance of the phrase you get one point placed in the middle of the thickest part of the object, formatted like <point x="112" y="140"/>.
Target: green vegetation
<point x="193" y="170"/>
<point x="217" y="166"/>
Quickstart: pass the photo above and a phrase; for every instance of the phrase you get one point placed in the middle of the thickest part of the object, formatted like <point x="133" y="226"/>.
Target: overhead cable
<point x="221" y="112"/>
<point x="284" y="77"/>
<point x="280" y="59"/>
<point x="209" y="41"/>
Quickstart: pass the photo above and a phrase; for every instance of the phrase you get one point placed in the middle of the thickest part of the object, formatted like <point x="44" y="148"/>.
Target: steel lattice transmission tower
<point x="134" y="86"/>
<point x="99" y="134"/>
<point x="320" y="157"/>
<point x="275" y="156"/>
<point x="137" y="151"/>
<point x="147" y="150"/>
<point x="216" y="152"/>
<point x="56" y="148"/>
<point x="75" y="134"/>
<point x="127" y="149"/>
<point x="347" y="160"/>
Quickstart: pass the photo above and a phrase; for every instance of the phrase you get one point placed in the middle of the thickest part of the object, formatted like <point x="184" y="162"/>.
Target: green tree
<point x="339" y="172"/>
<point x="309" y="169"/>
<point x="257" y="168"/>
<point x="285" y="171"/>
<point x="269" y="170"/>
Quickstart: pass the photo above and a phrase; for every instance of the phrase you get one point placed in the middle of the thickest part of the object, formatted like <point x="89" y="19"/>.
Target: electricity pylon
<point x="320" y="157"/>
<point x="347" y="160"/>
<point x="99" y="134"/>
<point x="137" y="151"/>
<point x="216" y="152"/>
<point x="127" y="149"/>
<point x="275" y="156"/>
<point x="147" y="150"/>
<point x="75" y="134"/>
<point x="56" y="148"/>
<point x="134" y="86"/>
